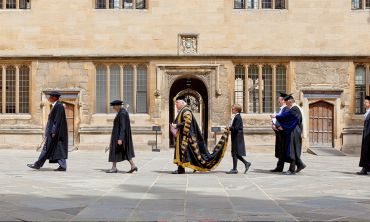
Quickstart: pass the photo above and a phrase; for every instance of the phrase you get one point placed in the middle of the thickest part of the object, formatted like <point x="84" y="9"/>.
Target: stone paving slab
<point x="327" y="190"/>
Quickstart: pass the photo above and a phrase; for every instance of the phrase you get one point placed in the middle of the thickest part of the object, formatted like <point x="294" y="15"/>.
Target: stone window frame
<point x="360" y="5"/>
<point x="16" y="4"/>
<point x="18" y="90"/>
<point x="109" y="4"/>
<point x="259" y="66"/>
<point x="132" y="109"/>
<point x="260" y="4"/>
<point x="358" y="101"/>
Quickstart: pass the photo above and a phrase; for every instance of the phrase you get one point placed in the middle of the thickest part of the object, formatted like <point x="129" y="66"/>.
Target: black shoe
<point x="289" y="172"/>
<point x="60" y="169"/>
<point x="194" y="171"/>
<point x="362" y="172"/>
<point x="33" y="166"/>
<point x="247" y="165"/>
<point x="178" y="172"/>
<point x="232" y="171"/>
<point x="300" y="168"/>
<point x="276" y="170"/>
<point x="132" y="170"/>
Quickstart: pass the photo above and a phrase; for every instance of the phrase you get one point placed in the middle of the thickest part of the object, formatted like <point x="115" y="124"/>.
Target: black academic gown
<point x="291" y="122"/>
<point x="365" y="147"/>
<point x="190" y="148"/>
<point x="237" y="136"/>
<point x="121" y="131"/>
<point x="57" y="147"/>
<point x="279" y="139"/>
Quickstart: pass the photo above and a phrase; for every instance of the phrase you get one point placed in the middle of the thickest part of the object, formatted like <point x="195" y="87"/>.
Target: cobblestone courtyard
<point x="327" y="189"/>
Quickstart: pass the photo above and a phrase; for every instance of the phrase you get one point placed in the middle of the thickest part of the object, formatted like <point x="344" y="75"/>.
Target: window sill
<point x="9" y="116"/>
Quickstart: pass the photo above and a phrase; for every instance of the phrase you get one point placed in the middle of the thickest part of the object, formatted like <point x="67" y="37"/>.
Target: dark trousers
<point x="42" y="159"/>
<point x="237" y="157"/>
<point x="180" y="169"/>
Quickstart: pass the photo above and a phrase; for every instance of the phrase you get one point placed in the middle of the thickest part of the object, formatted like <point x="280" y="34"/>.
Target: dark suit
<point x="237" y="140"/>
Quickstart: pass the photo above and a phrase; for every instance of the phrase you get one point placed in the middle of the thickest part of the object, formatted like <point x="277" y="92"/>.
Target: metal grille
<point x="128" y="80"/>
<point x="115" y="83"/>
<point x="10" y="89"/>
<point x="279" y="4"/>
<point x="253" y="89"/>
<point x="266" y="3"/>
<point x="252" y="4"/>
<point x="24" y="89"/>
<point x="114" y="3"/>
<point x="280" y="81"/>
<point x="101" y="89"/>
<point x="140" y="4"/>
<point x="267" y="88"/>
<point x="360" y="83"/>
<point x="128" y="4"/>
<point x="141" y="92"/>
<point x="100" y="4"/>
<point x="1" y="4"/>
<point x="367" y="4"/>
<point x="239" y="86"/>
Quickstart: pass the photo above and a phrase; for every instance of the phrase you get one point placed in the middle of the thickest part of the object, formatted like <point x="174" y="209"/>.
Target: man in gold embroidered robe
<point x="190" y="149"/>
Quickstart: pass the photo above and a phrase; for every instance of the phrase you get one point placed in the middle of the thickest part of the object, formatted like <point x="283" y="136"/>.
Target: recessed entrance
<point x="321" y="124"/>
<point x="197" y="96"/>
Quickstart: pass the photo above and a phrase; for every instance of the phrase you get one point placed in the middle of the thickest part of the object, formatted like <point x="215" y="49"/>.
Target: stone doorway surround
<point x="330" y="96"/>
<point x="167" y="74"/>
<point x="68" y="96"/>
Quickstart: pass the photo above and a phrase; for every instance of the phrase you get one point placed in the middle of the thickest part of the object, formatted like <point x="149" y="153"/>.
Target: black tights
<point x="235" y="160"/>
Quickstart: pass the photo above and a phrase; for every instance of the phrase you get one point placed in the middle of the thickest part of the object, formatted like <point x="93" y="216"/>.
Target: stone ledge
<point x="20" y="130"/>
<point x="352" y="130"/>
<point x="107" y="130"/>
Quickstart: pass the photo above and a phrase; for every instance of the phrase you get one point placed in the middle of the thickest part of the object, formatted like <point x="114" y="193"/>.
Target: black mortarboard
<point x="282" y="94"/>
<point x="367" y="98"/>
<point x="116" y="102"/>
<point x="54" y="94"/>
<point x="288" y="97"/>
<point x="181" y="98"/>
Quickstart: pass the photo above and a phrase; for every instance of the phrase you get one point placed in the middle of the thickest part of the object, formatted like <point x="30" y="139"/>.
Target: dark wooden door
<point x="321" y="124"/>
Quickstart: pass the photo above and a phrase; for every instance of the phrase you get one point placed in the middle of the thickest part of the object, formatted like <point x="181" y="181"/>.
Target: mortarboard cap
<point x="116" y="102"/>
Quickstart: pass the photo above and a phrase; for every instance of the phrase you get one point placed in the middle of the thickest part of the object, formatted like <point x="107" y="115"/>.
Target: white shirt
<point x="53" y="104"/>
<point x="232" y="119"/>
<point x="367" y="113"/>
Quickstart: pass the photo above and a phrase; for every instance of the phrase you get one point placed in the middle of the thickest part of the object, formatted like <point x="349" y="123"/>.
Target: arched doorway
<point x="321" y="124"/>
<point x="196" y="92"/>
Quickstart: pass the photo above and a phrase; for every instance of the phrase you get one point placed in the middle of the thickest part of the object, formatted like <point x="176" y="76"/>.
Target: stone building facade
<point x="216" y="52"/>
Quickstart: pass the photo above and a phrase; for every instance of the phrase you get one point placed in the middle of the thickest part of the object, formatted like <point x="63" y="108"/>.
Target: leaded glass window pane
<point x="267" y="89"/>
<point x="280" y="82"/>
<point x="115" y="83"/>
<point x="24" y="89"/>
<point x="10" y="89"/>
<point x="253" y="86"/>
<point x="128" y="80"/>
<point x="141" y="92"/>
<point x="101" y="89"/>
<point x="239" y="86"/>
<point x="266" y="3"/>
<point x="360" y="82"/>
